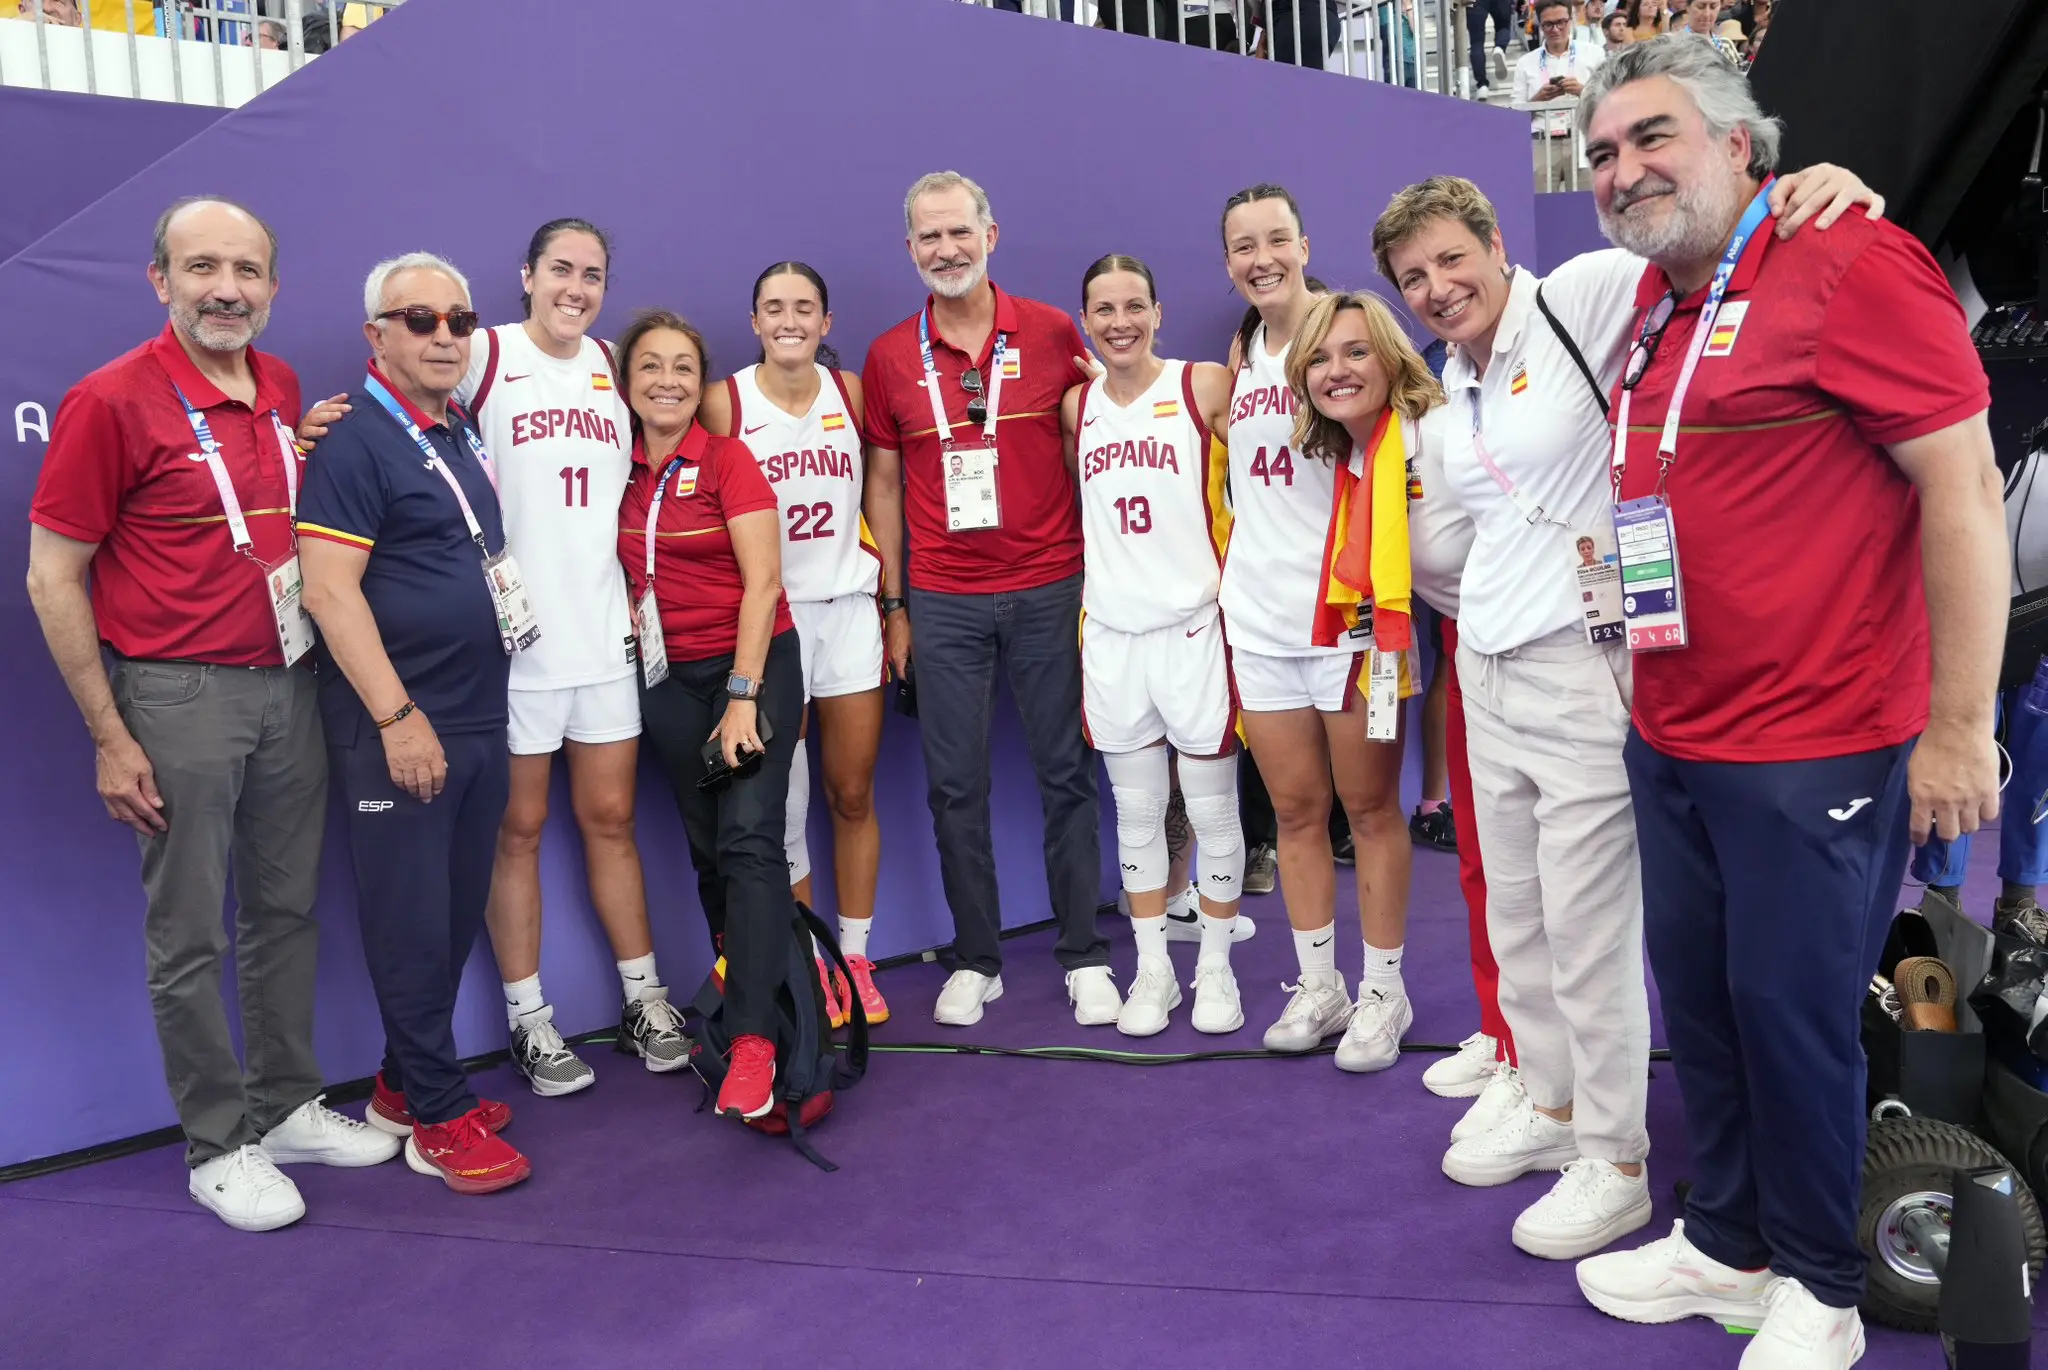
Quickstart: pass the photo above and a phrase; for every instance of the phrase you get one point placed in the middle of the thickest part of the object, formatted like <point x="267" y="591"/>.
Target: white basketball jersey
<point x="1151" y="506"/>
<point x="561" y="438"/>
<point x="1275" y="573"/>
<point x="814" y="463"/>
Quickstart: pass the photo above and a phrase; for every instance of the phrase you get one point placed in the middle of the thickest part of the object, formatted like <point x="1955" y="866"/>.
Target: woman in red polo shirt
<point x="700" y="540"/>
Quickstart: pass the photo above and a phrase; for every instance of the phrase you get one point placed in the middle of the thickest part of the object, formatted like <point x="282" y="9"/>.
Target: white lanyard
<point x="434" y="463"/>
<point x="1571" y="55"/>
<point x="1531" y="510"/>
<point x="1667" y="445"/>
<point x="654" y="516"/>
<point x="238" y="526"/>
<point x="993" y="386"/>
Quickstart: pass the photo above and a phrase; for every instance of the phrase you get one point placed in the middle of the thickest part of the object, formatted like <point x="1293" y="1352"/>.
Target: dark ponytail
<point x="546" y="234"/>
<point x="828" y="356"/>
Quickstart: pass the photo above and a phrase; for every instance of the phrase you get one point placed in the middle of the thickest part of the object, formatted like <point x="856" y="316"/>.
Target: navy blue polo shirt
<point x="368" y="486"/>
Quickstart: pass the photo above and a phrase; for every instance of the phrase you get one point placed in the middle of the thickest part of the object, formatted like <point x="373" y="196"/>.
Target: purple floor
<point x="989" y="1212"/>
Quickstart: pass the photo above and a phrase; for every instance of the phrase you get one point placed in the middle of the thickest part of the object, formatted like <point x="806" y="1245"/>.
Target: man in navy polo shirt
<point x="404" y="576"/>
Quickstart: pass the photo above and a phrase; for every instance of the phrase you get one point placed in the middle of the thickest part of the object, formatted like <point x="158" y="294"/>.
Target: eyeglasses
<point x="977" y="401"/>
<point x="1556" y="25"/>
<point x="422" y="321"/>
<point x="1647" y="338"/>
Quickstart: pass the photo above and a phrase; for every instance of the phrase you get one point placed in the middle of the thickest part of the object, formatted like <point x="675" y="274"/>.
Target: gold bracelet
<point x="403" y="710"/>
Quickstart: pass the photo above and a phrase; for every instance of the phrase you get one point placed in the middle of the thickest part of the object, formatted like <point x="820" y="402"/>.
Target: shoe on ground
<point x="871" y="1001"/>
<point x="1320" y="1007"/>
<point x="650" y="1028"/>
<point x="1184" y="918"/>
<point x="1483" y="93"/>
<point x="1670" y="1279"/>
<point x="388" y="1111"/>
<point x="2021" y="918"/>
<point x="1525" y="1141"/>
<point x="246" y="1190"/>
<point x="1155" y="993"/>
<point x="466" y="1155"/>
<point x="1218" y="1007"/>
<point x="1465" y="1073"/>
<point x="1372" y="1039"/>
<point x="1434" y="828"/>
<point x="837" y="1014"/>
<point x="1093" y="994"/>
<point x="1592" y="1205"/>
<point x="1261" y="869"/>
<point x="1802" y="1333"/>
<point x="1343" y="850"/>
<point x="315" y="1134"/>
<point x="1503" y="1096"/>
<point x="965" y="992"/>
<point x="539" y="1054"/>
<point x="1927" y="994"/>
<point x="749" y="1088"/>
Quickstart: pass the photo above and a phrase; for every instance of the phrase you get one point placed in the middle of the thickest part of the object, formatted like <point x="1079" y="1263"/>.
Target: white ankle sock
<point x="1216" y="937"/>
<point x="637" y="976"/>
<point x="1316" y="949"/>
<point x="523" y="997"/>
<point x="1383" y="968"/>
<point x="1151" y="935"/>
<point x="853" y="935"/>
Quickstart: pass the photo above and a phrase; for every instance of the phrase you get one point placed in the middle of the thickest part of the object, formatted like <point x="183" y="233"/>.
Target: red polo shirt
<point x="1798" y="537"/>
<point x="1040" y="540"/>
<point x="123" y="470"/>
<point x="696" y="577"/>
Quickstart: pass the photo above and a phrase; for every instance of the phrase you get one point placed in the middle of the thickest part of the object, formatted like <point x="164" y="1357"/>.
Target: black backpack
<point x="808" y="1068"/>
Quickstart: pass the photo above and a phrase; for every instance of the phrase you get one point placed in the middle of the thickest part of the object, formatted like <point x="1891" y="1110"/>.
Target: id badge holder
<point x="1597" y="576"/>
<point x="518" y="625"/>
<point x="294" y="627"/>
<point x="653" y="643"/>
<point x="972" y="503"/>
<point x="1382" y="696"/>
<point x="1652" y="594"/>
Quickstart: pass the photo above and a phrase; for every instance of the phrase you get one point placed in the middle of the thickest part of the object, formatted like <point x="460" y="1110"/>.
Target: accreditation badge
<point x="972" y="502"/>
<point x="1382" y="695"/>
<point x="1652" y="594"/>
<point x="1597" y="578"/>
<point x="294" y="628"/>
<point x="653" y="643"/>
<point x="518" y="624"/>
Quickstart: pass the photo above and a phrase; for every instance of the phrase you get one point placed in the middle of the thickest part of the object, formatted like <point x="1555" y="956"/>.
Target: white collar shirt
<point x="1537" y="67"/>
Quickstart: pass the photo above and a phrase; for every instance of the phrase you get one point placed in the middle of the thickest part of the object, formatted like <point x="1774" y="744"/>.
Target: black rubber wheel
<point x="1907" y="1164"/>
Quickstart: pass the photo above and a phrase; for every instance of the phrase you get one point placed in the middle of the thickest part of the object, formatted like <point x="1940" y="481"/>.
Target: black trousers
<point x="736" y="834"/>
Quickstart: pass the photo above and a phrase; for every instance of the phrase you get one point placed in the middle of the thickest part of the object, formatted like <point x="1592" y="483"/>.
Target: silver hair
<point x="935" y="181"/>
<point x="1720" y="92"/>
<point x="382" y="272"/>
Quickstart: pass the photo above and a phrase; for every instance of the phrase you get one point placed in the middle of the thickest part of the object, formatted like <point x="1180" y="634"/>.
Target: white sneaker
<point x="1466" y="1074"/>
<point x="315" y="1134"/>
<point x="1525" y="1141"/>
<point x="1372" y="1039"/>
<point x="965" y="992"/>
<point x="1670" y="1279"/>
<point x="1592" y="1205"/>
<point x="1503" y="1096"/>
<point x="1153" y="997"/>
<point x="1320" y="1008"/>
<point x="1802" y="1333"/>
<point x="246" y="1191"/>
<point x="1218" y="1008"/>
<point x="1093" y="994"/>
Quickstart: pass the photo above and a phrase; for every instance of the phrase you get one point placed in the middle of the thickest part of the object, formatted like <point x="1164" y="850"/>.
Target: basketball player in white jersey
<point x="800" y="416"/>
<point x="546" y="398"/>
<point x="1153" y="670"/>
<point x="1304" y="717"/>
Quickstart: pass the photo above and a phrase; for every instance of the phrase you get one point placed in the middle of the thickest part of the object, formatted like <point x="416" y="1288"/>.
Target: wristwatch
<point x="738" y="686"/>
<point x="890" y="606"/>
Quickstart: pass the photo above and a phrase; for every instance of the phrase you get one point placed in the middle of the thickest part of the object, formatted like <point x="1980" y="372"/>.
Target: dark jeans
<point x="242" y="770"/>
<point x="736" y="834"/>
<point x="1502" y="12"/>
<point x="1768" y="890"/>
<point x="423" y="876"/>
<point x="1319" y="29"/>
<point x="1036" y="636"/>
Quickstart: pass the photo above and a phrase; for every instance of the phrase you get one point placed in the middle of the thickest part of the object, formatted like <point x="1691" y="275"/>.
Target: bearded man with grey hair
<point x="1816" y="586"/>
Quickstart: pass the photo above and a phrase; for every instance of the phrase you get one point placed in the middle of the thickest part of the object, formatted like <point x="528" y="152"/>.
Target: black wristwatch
<point x="738" y="686"/>
<point x="890" y="606"/>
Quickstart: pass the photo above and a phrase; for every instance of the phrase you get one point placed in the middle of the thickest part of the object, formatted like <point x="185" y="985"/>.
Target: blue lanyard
<point x="654" y="516"/>
<point x="992" y="386"/>
<point x="379" y="393"/>
<point x="209" y="451"/>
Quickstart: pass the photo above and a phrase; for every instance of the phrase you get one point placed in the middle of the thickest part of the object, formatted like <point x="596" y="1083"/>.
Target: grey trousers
<point x="241" y="764"/>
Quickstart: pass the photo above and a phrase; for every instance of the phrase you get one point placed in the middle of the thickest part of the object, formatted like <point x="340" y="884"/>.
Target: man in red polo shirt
<point x="162" y="530"/>
<point x="963" y="411"/>
<point x="1804" y="422"/>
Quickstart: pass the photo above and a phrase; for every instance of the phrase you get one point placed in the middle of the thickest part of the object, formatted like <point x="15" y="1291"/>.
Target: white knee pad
<point x="1139" y="784"/>
<point x="796" y="810"/>
<point x="1210" y="789"/>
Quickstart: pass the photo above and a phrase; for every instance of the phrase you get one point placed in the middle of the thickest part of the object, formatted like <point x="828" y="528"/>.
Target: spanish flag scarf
<point x="1367" y="550"/>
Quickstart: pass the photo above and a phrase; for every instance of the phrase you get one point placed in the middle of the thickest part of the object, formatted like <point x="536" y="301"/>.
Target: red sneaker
<point x="775" y="1122"/>
<point x="749" y="1089"/>
<point x="388" y="1112"/>
<point x="871" y="1000"/>
<point x="466" y="1154"/>
<point x="836" y="997"/>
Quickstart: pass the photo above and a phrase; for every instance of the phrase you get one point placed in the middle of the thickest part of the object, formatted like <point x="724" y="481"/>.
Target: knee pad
<point x="796" y="812"/>
<point x="1210" y="788"/>
<point x="1138" y="782"/>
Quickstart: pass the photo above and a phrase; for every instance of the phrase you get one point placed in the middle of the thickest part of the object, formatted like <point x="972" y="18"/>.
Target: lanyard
<point x="238" y="526"/>
<point x="931" y="382"/>
<point x="392" y="407"/>
<point x="1531" y="510"/>
<point x="1571" y="57"/>
<point x="1667" y="445"/>
<point x="654" y="516"/>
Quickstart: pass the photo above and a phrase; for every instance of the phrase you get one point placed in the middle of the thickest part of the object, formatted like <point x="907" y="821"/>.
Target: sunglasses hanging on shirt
<point x="977" y="402"/>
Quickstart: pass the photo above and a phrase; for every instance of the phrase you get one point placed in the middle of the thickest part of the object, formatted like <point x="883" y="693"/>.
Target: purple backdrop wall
<point x="1566" y="225"/>
<point x="64" y="151"/>
<point x="707" y="164"/>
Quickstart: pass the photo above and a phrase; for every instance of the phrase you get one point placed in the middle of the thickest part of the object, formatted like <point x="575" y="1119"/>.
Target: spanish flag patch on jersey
<point x="834" y="422"/>
<point x="686" y="482"/>
<point x="1166" y="409"/>
<point x="1519" y="381"/>
<point x="600" y="380"/>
